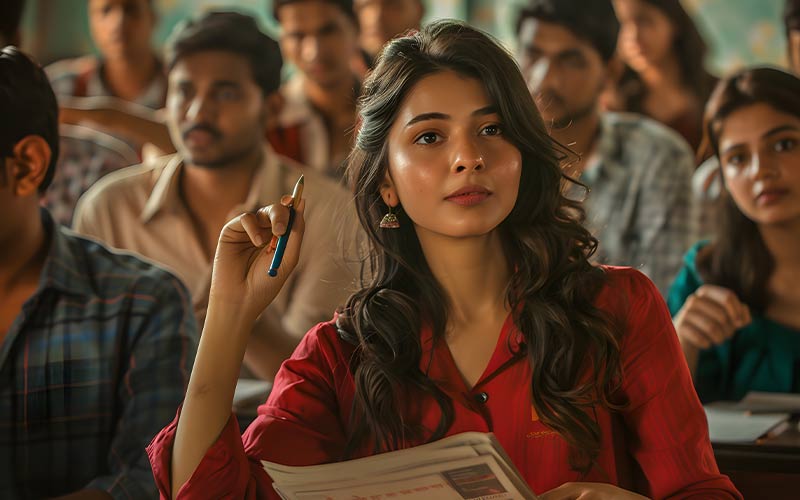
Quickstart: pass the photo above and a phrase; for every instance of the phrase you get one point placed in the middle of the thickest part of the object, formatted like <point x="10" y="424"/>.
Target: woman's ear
<point x="388" y="191"/>
<point x="29" y="165"/>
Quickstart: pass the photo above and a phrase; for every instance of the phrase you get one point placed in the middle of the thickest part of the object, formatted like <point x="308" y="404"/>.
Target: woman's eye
<point x="427" y="138"/>
<point x="735" y="160"/>
<point x="785" y="145"/>
<point x="491" y="130"/>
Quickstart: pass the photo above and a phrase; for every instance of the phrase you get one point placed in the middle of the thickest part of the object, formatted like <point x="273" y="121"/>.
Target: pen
<point x="297" y="195"/>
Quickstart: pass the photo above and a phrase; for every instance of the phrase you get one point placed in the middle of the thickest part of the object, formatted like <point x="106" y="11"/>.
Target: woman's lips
<point x="770" y="196"/>
<point x="469" y="196"/>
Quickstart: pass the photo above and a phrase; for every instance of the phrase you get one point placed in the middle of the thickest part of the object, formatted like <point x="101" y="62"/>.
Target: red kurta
<point x="658" y="445"/>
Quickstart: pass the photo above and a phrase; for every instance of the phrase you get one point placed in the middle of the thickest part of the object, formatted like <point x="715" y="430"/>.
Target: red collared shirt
<point x="658" y="445"/>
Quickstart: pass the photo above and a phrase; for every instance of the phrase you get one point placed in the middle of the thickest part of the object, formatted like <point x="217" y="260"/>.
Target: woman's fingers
<point x="710" y="316"/>
<point x="254" y="229"/>
<point x="726" y="299"/>
<point x="713" y="319"/>
<point x="696" y="337"/>
<point x="274" y="218"/>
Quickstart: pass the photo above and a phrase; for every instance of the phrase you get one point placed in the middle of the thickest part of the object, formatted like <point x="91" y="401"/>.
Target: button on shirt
<point x="657" y="445"/>
<point x="140" y="209"/>
<point x="92" y="367"/>
<point x="640" y="205"/>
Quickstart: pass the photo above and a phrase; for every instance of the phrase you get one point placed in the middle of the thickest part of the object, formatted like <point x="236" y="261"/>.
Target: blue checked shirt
<point x="95" y="364"/>
<point x="640" y="206"/>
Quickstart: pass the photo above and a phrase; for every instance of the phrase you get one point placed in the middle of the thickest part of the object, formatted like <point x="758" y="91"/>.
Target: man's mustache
<point x="202" y="127"/>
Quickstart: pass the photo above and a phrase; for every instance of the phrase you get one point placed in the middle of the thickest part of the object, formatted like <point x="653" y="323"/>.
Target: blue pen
<point x="280" y="248"/>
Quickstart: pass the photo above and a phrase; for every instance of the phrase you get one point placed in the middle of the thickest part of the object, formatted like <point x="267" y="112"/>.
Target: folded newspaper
<point x="471" y="465"/>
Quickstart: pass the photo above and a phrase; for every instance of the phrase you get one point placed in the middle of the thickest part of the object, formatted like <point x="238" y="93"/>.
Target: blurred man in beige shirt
<point x="223" y="77"/>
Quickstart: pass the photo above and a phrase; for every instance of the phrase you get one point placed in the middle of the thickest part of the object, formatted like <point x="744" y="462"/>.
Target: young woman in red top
<point x="482" y="313"/>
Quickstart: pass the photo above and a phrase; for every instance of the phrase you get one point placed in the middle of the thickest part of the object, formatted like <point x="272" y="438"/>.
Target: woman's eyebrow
<point x="486" y="110"/>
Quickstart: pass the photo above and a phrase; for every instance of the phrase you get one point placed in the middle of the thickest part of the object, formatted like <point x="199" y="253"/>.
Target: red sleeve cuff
<point x="224" y="471"/>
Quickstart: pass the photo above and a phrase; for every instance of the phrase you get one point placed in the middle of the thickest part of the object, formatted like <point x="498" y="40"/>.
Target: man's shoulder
<point x="638" y="131"/>
<point x="132" y="184"/>
<point x="110" y="272"/>
<point x="69" y="69"/>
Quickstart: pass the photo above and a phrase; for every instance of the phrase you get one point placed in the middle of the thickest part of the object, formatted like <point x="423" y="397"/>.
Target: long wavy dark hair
<point x="690" y="49"/>
<point x="552" y="290"/>
<point x="738" y="258"/>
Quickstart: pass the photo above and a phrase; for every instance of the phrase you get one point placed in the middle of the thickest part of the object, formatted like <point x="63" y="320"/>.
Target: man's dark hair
<point x="10" y="18"/>
<point x="791" y="16"/>
<point x="594" y="21"/>
<point x="345" y="5"/>
<point x="231" y="32"/>
<point x="27" y="105"/>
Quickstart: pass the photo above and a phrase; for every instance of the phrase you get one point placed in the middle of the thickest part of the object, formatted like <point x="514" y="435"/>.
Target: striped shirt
<point x="94" y="365"/>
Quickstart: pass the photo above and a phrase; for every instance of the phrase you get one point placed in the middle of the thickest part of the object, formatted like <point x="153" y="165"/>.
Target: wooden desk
<point x="769" y="468"/>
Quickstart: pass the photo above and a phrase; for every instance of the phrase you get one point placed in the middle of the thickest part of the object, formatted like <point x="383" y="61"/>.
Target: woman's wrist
<point x="235" y="314"/>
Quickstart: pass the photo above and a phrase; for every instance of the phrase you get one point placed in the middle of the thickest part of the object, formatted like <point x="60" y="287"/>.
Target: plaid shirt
<point x="640" y="205"/>
<point x="85" y="155"/>
<point x="93" y="366"/>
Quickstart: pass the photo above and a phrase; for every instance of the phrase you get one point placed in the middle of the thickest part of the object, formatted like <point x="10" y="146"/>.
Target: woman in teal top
<point x="736" y="302"/>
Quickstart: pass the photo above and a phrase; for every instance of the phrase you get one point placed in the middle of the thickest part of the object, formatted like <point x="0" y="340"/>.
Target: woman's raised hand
<point x="244" y="254"/>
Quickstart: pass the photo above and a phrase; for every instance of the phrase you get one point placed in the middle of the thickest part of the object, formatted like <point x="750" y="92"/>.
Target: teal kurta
<point x="763" y="356"/>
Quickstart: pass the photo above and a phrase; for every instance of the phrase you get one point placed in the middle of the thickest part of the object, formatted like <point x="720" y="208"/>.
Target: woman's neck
<point x="782" y="241"/>
<point x="665" y="75"/>
<point x="473" y="272"/>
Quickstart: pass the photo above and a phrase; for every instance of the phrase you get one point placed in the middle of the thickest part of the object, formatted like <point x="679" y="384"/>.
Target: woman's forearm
<point x="209" y="397"/>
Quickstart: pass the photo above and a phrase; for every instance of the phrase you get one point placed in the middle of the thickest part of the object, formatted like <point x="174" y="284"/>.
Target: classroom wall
<point x="741" y="32"/>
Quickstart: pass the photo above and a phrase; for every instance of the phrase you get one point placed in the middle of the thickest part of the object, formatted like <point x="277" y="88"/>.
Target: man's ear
<point x="388" y="191"/>
<point x="29" y="165"/>
<point x="273" y="106"/>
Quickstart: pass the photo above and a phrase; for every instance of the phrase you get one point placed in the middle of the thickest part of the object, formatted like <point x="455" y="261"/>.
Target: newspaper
<point x="471" y="465"/>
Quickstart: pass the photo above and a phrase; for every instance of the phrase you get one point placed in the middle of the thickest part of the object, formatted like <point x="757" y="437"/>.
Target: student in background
<point x="736" y="303"/>
<point x="224" y="74"/>
<point x="666" y="77"/>
<point x="706" y="186"/>
<point x="483" y="312"/>
<point x="791" y="20"/>
<point x="127" y="68"/>
<point x="639" y="171"/>
<point x="382" y="20"/>
<point x="95" y="346"/>
<point x="84" y="156"/>
<point x="315" y="126"/>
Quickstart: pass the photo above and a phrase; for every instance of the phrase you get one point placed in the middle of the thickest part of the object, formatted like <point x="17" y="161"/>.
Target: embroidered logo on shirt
<point x="538" y="434"/>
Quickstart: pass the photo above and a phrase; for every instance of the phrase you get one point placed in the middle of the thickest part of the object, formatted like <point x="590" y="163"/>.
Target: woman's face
<point x="450" y="164"/>
<point x="646" y="34"/>
<point x="759" y="149"/>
